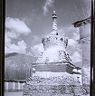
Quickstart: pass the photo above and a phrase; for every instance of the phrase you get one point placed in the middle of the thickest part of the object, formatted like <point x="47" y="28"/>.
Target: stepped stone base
<point x="53" y="86"/>
<point x="54" y="90"/>
<point x="60" y="67"/>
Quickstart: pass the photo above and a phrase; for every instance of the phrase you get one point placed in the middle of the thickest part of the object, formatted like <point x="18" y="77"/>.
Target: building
<point x="85" y="41"/>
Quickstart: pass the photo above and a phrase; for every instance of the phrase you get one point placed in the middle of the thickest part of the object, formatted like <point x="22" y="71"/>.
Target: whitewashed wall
<point x="13" y="86"/>
<point x="85" y="40"/>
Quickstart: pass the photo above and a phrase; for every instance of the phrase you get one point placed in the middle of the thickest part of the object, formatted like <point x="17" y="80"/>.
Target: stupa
<point x="53" y="70"/>
<point x="54" y="45"/>
<point x="55" y="57"/>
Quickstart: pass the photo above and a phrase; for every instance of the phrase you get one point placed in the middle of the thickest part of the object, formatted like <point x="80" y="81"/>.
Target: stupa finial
<point x="54" y="17"/>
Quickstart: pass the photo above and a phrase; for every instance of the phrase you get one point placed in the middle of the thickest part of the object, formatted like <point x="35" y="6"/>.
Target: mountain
<point x="17" y="66"/>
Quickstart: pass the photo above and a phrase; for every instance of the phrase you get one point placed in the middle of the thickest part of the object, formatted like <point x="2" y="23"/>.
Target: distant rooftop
<point x="11" y="54"/>
<point x="82" y="22"/>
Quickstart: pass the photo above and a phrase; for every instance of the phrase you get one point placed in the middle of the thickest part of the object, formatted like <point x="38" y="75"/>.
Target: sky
<point x="28" y="21"/>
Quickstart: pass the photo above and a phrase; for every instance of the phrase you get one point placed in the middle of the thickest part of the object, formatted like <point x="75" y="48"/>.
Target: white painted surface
<point x="19" y="86"/>
<point x="6" y="85"/>
<point x="50" y="74"/>
<point x="13" y="85"/>
<point x="85" y="34"/>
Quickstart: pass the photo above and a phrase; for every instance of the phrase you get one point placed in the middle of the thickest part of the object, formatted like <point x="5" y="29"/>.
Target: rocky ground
<point x="54" y="86"/>
<point x="20" y="93"/>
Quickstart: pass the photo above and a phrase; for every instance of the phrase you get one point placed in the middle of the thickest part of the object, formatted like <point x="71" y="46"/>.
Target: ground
<point x="20" y="93"/>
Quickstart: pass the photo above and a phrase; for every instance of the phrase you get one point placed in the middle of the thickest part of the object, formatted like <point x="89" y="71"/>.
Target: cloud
<point x="72" y="42"/>
<point x="17" y="26"/>
<point x="75" y="51"/>
<point x="71" y="32"/>
<point x="37" y="49"/>
<point x="19" y="48"/>
<point x="36" y="38"/>
<point x="48" y="3"/>
<point x="76" y="57"/>
<point x="14" y="27"/>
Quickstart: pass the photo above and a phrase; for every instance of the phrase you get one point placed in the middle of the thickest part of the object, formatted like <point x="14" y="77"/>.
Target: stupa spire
<point x="54" y="23"/>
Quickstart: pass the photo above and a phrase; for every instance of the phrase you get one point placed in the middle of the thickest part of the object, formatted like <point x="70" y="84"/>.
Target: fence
<point x="13" y="85"/>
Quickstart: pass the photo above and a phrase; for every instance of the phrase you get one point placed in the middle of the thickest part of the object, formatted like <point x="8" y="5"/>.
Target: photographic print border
<point x="2" y="24"/>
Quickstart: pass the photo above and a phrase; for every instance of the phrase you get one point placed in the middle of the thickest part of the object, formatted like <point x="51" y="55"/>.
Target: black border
<point x="2" y="24"/>
<point x="2" y="47"/>
<point x="92" y="83"/>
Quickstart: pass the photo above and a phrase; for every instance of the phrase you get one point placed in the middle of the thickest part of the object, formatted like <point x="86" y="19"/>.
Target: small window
<point x="61" y="39"/>
<point x="56" y="33"/>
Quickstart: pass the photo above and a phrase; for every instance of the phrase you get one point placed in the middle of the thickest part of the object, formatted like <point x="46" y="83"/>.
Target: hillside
<point x="17" y="66"/>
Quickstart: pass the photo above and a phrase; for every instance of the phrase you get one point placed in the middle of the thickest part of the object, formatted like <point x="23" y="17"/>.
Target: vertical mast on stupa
<point x="54" y="25"/>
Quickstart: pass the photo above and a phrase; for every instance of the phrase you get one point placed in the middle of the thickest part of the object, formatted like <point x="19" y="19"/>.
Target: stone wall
<point x="55" y="90"/>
